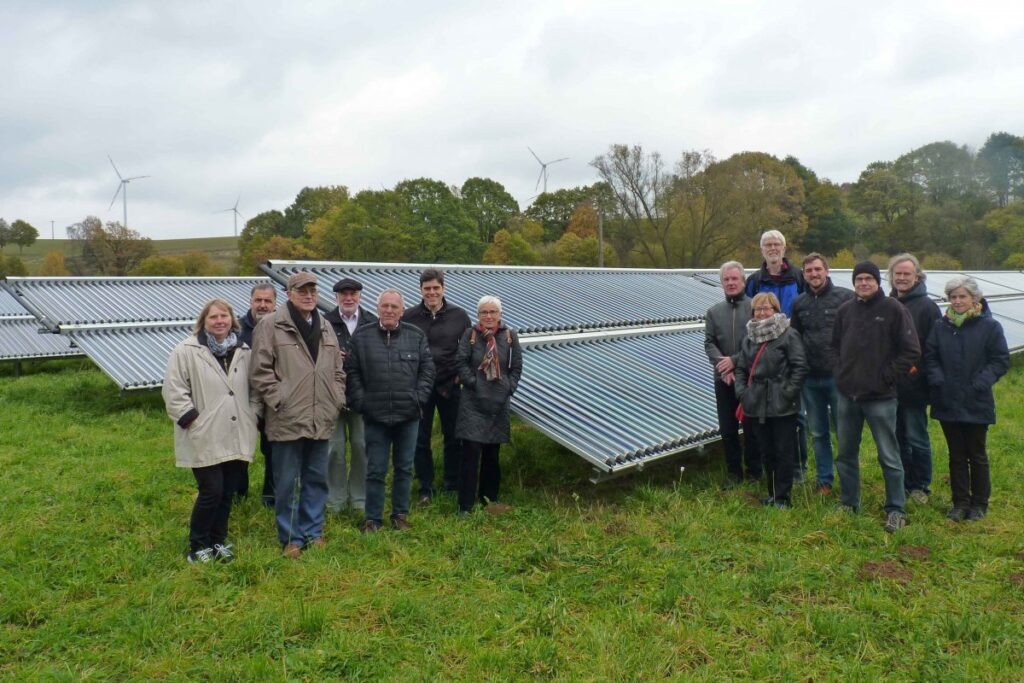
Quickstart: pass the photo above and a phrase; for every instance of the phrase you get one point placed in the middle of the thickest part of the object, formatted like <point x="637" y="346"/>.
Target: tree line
<point x="949" y="204"/>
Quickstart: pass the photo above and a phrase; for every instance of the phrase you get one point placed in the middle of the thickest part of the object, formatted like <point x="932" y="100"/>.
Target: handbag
<point x="750" y="378"/>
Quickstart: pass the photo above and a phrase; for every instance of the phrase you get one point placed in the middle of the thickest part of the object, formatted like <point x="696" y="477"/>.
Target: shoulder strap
<point x="753" y="366"/>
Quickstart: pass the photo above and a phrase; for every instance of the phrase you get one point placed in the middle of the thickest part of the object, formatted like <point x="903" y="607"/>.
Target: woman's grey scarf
<point x="761" y="331"/>
<point x="220" y="349"/>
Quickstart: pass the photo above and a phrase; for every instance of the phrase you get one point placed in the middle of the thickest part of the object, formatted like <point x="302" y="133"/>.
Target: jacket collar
<point x="873" y="299"/>
<point x="917" y="291"/>
<point x="825" y="288"/>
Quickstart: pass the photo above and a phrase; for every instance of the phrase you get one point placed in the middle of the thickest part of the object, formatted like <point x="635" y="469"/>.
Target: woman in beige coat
<point x="206" y="390"/>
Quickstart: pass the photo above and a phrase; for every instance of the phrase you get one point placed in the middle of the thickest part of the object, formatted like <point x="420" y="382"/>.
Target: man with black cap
<point x="875" y="344"/>
<point x="346" y="481"/>
<point x="298" y="371"/>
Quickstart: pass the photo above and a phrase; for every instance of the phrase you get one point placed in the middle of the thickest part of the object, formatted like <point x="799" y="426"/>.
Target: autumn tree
<point x="489" y="204"/>
<point x="510" y="248"/>
<point x="53" y="265"/>
<point x="111" y="250"/>
<point x="156" y="264"/>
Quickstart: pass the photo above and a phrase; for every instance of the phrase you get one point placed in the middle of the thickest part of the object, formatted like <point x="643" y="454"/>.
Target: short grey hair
<point x="768" y="234"/>
<point x="968" y="283"/>
<point x="730" y="265"/>
<point x="380" y="297"/>
<point x="900" y="258"/>
<point x="260" y="287"/>
<point x="488" y="300"/>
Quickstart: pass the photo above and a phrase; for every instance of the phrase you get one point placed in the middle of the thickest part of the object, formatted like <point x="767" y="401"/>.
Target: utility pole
<point x="51" y="230"/>
<point x="600" y="239"/>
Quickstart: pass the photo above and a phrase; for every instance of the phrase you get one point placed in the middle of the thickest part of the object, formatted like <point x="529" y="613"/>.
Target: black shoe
<point x="782" y="504"/>
<point x="268" y="501"/>
<point x="769" y="500"/>
<point x="956" y="514"/>
<point x="370" y="526"/>
<point x="400" y="523"/>
<point x="976" y="514"/>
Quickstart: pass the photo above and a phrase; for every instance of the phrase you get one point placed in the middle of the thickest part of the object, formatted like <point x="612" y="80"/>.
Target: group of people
<point x="792" y="352"/>
<point x="333" y="398"/>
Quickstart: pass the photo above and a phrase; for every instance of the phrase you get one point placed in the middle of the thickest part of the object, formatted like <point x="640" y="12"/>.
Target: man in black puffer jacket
<point x="814" y="316"/>
<point x="908" y="287"/>
<point x="875" y="342"/>
<point x="390" y="376"/>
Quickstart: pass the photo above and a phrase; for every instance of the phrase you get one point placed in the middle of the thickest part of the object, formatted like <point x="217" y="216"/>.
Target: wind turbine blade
<point x="120" y="186"/>
<point x="557" y="160"/>
<point x="223" y="210"/>
<point x="136" y="177"/>
<point x="236" y="202"/>
<point x="539" y="179"/>
<point x="535" y="156"/>
<point x="115" y="168"/>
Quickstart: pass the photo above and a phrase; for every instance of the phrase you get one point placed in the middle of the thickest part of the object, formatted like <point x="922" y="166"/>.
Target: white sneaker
<point x="223" y="553"/>
<point x="203" y="556"/>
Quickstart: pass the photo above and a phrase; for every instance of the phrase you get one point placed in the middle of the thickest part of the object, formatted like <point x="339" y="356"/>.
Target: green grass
<point x="222" y="250"/>
<point x="659" y="575"/>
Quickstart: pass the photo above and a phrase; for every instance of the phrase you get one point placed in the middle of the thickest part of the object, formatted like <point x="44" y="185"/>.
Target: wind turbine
<point x="122" y="189"/>
<point x="544" y="169"/>
<point x="234" y="210"/>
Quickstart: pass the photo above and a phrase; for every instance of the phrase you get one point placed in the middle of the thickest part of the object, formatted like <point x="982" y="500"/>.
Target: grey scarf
<point x="220" y="349"/>
<point x="761" y="331"/>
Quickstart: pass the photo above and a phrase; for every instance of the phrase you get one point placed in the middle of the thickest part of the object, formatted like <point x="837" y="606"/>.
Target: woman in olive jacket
<point x="206" y="392"/>
<point x="489" y="361"/>
<point x="769" y="375"/>
<point x="965" y="355"/>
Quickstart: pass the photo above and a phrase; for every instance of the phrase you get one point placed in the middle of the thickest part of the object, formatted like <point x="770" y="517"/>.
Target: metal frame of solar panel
<point x="127" y="326"/>
<point x="22" y="338"/>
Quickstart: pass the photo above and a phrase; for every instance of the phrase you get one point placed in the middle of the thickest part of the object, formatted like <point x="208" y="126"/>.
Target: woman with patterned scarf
<point x="769" y="375"/>
<point x="489" y="362"/>
<point x="206" y="391"/>
<point x="965" y="355"/>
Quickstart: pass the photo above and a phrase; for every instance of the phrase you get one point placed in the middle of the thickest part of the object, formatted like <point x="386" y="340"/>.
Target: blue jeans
<point x="400" y="440"/>
<point x="819" y="398"/>
<point x="915" y="446"/>
<point x="881" y="418"/>
<point x="300" y="490"/>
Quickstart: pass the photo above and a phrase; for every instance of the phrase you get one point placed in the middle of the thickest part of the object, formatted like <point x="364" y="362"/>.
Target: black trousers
<point x="218" y="485"/>
<point x="482" y="457"/>
<point x="268" y="473"/>
<point x="448" y="409"/>
<point x="776" y="437"/>
<point x="726" y="402"/>
<point x="968" y="464"/>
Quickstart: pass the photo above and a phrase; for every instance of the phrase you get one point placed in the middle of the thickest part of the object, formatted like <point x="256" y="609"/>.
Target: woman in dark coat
<point x="769" y="375"/>
<point x="490" y="362"/>
<point x="965" y="356"/>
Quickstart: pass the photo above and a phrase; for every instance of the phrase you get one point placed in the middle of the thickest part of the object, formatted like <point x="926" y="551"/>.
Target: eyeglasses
<point x="490" y="311"/>
<point x="764" y="309"/>
<point x="306" y="289"/>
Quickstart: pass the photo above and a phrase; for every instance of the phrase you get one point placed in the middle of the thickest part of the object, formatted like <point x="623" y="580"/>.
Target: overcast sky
<point x="258" y="99"/>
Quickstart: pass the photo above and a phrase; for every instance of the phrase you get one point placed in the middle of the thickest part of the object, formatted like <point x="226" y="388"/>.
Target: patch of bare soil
<point x="1017" y="579"/>
<point x="885" y="570"/>
<point x="915" y="552"/>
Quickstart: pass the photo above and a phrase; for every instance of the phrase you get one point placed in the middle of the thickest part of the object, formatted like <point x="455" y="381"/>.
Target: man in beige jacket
<point x="297" y="370"/>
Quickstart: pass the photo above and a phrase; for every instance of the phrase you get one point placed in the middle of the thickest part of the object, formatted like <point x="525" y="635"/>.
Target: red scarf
<point x="491" y="366"/>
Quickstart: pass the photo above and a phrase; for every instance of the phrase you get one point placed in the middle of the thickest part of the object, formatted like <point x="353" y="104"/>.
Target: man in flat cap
<point x="346" y="480"/>
<point x="875" y="344"/>
<point x="298" y="371"/>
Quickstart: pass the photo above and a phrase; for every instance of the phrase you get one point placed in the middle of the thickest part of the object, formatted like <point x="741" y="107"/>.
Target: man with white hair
<point x="390" y="379"/>
<point x="776" y="275"/>
<point x="725" y="328"/>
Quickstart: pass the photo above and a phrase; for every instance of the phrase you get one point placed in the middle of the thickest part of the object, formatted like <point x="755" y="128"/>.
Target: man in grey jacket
<point x="725" y="328"/>
<point x="298" y="371"/>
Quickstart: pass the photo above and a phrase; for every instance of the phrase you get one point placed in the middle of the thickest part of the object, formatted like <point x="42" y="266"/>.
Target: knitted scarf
<point x="491" y="365"/>
<point x="220" y="349"/>
<point x="958" y="319"/>
<point x="760" y="331"/>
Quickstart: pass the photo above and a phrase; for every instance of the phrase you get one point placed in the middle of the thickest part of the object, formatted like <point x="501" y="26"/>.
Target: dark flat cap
<point x="348" y="283"/>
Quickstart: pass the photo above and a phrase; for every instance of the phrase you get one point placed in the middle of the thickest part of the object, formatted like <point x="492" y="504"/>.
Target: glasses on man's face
<point x="306" y="291"/>
<point x="490" y="311"/>
<point x="764" y="309"/>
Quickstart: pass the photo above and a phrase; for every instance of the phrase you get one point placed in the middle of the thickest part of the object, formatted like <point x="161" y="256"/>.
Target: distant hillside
<point x="223" y="250"/>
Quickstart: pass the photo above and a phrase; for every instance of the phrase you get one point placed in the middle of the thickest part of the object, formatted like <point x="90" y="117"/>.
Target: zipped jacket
<point x="912" y="387"/>
<point x="443" y="330"/>
<point x="725" y="328"/>
<point x="814" y="316"/>
<point x="786" y="286"/>
<point x="772" y="388"/>
<point x="390" y="373"/>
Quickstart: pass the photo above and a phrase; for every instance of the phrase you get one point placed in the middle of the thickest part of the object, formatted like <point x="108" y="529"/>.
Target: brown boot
<point x="498" y="508"/>
<point x="370" y="526"/>
<point x="292" y="551"/>
<point x="400" y="523"/>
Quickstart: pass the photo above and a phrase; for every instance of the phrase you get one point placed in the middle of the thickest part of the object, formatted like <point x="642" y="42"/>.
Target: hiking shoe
<point x="400" y="523"/>
<point x="956" y="515"/>
<point x="976" y="514"/>
<point x="201" y="556"/>
<point x="895" y="521"/>
<point x="919" y="497"/>
<point x="318" y="542"/>
<point x="223" y="553"/>
<point x="292" y="551"/>
<point x="370" y="526"/>
<point x="824" y="489"/>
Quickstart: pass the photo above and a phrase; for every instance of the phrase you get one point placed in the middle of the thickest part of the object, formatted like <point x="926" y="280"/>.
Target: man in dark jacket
<point x="443" y="324"/>
<point x="262" y="302"/>
<point x="725" y="328"/>
<point x="814" y="316"/>
<point x="908" y="286"/>
<point x="390" y="377"/>
<point x="875" y="343"/>
<point x="346" y="481"/>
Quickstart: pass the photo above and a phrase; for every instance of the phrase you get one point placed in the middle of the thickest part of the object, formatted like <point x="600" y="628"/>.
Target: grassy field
<point x="660" y="575"/>
<point x="222" y="250"/>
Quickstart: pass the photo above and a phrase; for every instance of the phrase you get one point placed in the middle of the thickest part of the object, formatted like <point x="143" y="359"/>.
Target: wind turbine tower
<point x="544" y="170"/>
<point x="234" y="210"/>
<point x="122" y="189"/>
